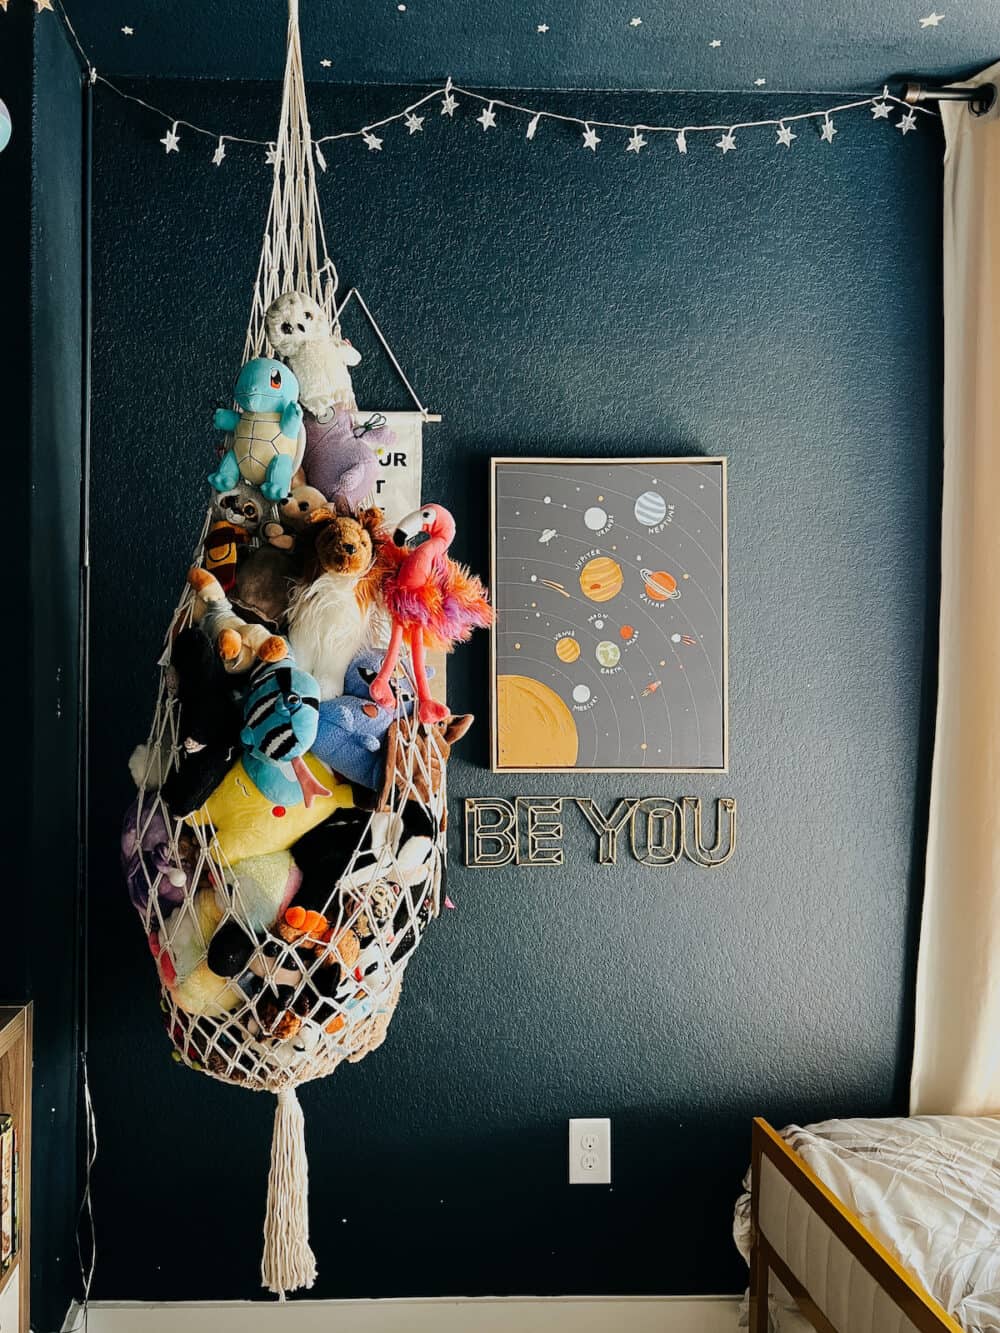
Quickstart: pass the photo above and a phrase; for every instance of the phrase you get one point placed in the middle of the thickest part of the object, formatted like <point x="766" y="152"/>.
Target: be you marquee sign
<point x="528" y="830"/>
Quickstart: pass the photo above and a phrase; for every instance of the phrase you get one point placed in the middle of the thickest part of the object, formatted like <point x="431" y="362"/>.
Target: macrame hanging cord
<point x="338" y="986"/>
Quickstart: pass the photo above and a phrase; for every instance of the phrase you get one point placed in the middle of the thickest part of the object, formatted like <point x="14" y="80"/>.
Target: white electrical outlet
<point x="590" y="1152"/>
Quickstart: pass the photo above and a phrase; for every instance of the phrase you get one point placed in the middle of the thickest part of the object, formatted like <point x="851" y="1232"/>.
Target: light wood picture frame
<point x="610" y="582"/>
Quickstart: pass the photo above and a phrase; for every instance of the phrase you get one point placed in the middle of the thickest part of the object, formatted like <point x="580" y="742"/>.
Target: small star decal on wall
<point x="542" y="27"/>
<point x="326" y="63"/>
<point x="727" y="143"/>
<point x="171" y="139"/>
<point x="413" y="123"/>
<point x="271" y="156"/>
<point x="715" y="42"/>
<point x="219" y="154"/>
<point x="828" y="130"/>
<point x="448" y="105"/>
<point x="488" y="119"/>
<point x="636" y="144"/>
<point x="785" y="136"/>
<point x="681" y="142"/>
<point x="880" y="110"/>
<point x="372" y="142"/>
<point x="907" y="122"/>
<point x="590" y="139"/>
<point x="42" y="4"/>
<point x="759" y="83"/>
<point x="932" y="20"/>
<point x="129" y="32"/>
<point x="635" y="23"/>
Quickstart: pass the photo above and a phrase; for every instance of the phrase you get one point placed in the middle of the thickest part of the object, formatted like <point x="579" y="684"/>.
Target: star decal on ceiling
<point x="448" y="105"/>
<point x="171" y="139"/>
<point x="681" y="142"/>
<point x="326" y="63"/>
<point x="372" y="142"/>
<point x="542" y="27"/>
<point x="129" y="32"/>
<point x="932" y="20"/>
<point x="727" y="143"/>
<point x="880" y="110"/>
<point x="590" y="139"/>
<point x="785" y="136"/>
<point x="488" y="119"/>
<point x="714" y="43"/>
<point x="828" y="130"/>
<point x="414" y="123"/>
<point x="907" y="122"/>
<point x="636" y="144"/>
<point x="219" y="154"/>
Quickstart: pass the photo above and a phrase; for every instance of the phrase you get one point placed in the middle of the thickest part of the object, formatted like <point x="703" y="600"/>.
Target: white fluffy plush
<point x="300" y="333"/>
<point x="327" y="629"/>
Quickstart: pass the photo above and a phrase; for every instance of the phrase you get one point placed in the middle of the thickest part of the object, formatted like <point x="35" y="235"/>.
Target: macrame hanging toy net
<point x="281" y="932"/>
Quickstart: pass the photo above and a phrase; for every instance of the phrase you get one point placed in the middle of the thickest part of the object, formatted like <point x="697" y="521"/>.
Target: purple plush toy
<point x="147" y="859"/>
<point x="340" y="460"/>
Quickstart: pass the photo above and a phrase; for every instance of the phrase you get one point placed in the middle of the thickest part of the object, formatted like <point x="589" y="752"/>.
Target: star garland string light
<point x="451" y="97"/>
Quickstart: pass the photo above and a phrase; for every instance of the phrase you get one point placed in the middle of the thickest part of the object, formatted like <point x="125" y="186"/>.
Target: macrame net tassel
<point x="288" y="1263"/>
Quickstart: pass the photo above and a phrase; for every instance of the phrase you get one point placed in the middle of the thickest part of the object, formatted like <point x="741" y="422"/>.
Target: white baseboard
<point x="515" y="1314"/>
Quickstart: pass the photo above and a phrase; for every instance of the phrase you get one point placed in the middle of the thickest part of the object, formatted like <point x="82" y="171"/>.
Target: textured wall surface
<point x="40" y="350"/>
<point x="781" y="308"/>
<point x="588" y="43"/>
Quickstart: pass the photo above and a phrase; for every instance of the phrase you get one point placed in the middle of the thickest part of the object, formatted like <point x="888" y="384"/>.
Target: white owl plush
<point x="300" y="333"/>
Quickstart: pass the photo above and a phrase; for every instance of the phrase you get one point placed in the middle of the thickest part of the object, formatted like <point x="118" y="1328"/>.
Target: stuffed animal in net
<point x="300" y="333"/>
<point x="268" y="439"/>
<point x="332" y="608"/>
<point x="434" y="602"/>
<point x="339" y="457"/>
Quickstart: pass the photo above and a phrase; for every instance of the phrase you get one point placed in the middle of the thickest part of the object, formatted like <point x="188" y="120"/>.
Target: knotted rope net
<point x="257" y="989"/>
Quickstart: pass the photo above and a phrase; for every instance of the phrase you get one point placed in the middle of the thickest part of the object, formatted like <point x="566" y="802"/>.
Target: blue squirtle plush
<point x="268" y="438"/>
<point x="351" y="729"/>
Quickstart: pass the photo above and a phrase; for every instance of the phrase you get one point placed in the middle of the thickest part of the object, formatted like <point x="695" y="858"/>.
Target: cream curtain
<point x="956" y="1062"/>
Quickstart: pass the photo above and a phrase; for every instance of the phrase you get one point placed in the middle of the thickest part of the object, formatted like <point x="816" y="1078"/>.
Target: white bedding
<point x="929" y="1188"/>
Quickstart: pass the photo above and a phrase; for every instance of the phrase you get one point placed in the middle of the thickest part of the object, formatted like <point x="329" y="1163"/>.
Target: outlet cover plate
<point x="590" y="1152"/>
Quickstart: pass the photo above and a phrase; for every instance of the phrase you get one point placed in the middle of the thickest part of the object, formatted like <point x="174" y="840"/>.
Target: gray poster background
<point x="662" y="705"/>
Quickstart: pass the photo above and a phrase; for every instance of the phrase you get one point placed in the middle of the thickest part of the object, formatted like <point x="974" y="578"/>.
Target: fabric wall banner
<point x="956" y="1062"/>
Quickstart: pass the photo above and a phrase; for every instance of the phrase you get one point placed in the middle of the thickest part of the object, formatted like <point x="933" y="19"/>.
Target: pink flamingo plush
<point x="434" y="602"/>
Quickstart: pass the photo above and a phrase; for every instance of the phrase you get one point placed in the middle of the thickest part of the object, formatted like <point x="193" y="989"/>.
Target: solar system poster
<point x="609" y="581"/>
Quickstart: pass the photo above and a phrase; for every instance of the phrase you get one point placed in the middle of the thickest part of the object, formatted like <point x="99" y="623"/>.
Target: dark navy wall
<point x="40" y="349"/>
<point x="781" y="308"/>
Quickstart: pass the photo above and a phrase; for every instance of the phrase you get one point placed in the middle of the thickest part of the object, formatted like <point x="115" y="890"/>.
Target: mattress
<point x="928" y="1187"/>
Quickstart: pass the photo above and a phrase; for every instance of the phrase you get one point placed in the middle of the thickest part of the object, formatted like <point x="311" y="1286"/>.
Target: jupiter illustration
<point x="601" y="579"/>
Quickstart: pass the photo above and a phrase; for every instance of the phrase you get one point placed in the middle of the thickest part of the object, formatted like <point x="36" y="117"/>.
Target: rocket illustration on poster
<point x="609" y="579"/>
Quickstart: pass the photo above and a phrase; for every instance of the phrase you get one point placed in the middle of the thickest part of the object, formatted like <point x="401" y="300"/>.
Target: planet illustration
<point x="608" y="653"/>
<point x="650" y="509"/>
<point x="595" y="518"/>
<point x="535" y="727"/>
<point x="660" y="586"/>
<point x="5" y="126"/>
<point x="567" y="649"/>
<point x="601" y="579"/>
<point x="627" y="632"/>
<point x="581" y="694"/>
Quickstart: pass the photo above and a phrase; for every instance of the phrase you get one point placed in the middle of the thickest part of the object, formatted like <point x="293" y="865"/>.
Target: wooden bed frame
<point x="876" y="1266"/>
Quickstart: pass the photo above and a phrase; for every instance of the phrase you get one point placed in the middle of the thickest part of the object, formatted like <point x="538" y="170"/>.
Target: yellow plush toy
<point x="248" y="824"/>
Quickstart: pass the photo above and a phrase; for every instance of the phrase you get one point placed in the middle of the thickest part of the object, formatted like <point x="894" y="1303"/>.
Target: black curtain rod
<point x="980" y="99"/>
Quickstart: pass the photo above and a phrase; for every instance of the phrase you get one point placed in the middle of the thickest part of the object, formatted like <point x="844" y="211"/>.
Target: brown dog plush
<point x="330" y="613"/>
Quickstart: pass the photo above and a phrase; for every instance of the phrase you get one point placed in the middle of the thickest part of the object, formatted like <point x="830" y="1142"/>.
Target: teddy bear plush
<point x="300" y="333"/>
<point x="294" y="516"/>
<point x="340" y="459"/>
